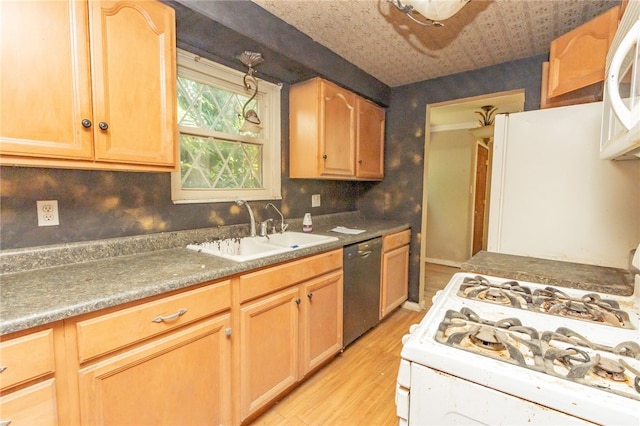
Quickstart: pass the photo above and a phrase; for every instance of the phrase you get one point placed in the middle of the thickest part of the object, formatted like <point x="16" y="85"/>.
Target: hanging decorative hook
<point x="251" y="120"/>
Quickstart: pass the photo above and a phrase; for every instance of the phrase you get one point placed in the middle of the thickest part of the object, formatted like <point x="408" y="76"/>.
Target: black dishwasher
<point x="361" y="288"/>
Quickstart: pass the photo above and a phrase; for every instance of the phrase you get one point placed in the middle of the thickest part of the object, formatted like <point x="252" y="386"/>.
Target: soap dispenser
<point x="307" y="225"/>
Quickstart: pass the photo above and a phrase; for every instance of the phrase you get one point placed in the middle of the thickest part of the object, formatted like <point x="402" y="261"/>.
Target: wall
<point x="448" y="222"/>
<point x="399" y="196"/>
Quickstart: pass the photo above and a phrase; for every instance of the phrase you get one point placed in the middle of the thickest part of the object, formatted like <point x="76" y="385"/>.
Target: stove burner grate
<point x="562" y="353"/>
<point x="549" y="300"/>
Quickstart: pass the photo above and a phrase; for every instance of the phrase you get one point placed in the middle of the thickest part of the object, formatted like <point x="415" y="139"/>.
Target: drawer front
<point x="396" y="240"/>
<point x="25" y="358"/>
<point x="34" y="405"/>
<point x="115" y="330"/>
<point x="278" y="277"/>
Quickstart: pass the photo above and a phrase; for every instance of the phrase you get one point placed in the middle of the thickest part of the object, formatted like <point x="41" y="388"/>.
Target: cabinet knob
<point x="310" y="296"/>
<point x="86" y="123"/>
<point x="103" y="125"/>
<point x="228" y="331"/>
<point x="298" y="301"/>
<point x="324" y="156"/>
<point x="359" y="161"/>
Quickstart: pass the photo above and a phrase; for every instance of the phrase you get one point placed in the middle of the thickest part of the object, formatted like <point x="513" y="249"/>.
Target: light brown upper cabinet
<point x="88" y="84"/>
<point x="335" y="134"/>
<point x="577" y="59"/>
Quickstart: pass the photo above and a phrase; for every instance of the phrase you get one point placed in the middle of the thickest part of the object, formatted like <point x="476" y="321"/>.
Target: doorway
<point x="457" y="178"/>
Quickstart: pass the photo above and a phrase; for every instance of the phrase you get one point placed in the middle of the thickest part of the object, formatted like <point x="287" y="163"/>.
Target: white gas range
<point x="496" y="351"/>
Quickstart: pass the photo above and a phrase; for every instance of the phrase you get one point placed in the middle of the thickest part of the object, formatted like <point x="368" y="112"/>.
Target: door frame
<point x="486" y="99"/>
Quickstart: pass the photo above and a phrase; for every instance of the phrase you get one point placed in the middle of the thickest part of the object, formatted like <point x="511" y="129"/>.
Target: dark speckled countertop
<point x="563" y="274"/>
<point x="45" y="284"/>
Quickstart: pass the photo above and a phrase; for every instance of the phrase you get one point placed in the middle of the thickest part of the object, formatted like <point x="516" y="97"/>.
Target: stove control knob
<point x="436" y="296"/>
<point x="405" y="338"/>
<point x="412" y="328"/>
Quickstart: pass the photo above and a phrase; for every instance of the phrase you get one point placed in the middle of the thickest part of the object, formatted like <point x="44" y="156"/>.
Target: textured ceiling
<point x="382" y="41"/>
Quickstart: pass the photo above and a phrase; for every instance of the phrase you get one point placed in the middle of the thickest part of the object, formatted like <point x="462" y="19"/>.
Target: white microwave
<point x="620" y="137"/>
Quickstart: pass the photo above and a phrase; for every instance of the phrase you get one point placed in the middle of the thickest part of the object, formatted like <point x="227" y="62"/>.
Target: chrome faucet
<point x="253" y="220"/>
<point x="264" y="228"/>
<point x="283" y="226"/>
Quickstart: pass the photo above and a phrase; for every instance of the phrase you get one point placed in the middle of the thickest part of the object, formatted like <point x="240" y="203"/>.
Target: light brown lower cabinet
<point x="164" y="361"/>
<point x="183" y="378"/>
<point x="27" y="379"/>
<point x="34" y="405"/>
<point x="216" y="353"/>
<point x="290" y="323"/>
<point x="269" y="356"/>
<point x="395" y="271"/>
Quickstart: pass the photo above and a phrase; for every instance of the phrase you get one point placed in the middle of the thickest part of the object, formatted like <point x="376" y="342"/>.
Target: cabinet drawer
<point x="278" y="277"/>
<point x="34" y="405"/>
<point x="396" y="240"/>
<point x="115" y="330"/>
<point x="25" y="358"/>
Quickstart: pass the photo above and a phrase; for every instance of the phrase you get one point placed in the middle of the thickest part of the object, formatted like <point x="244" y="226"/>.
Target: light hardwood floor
<point x="358" y="386"/>
<point x="436" y="277"/>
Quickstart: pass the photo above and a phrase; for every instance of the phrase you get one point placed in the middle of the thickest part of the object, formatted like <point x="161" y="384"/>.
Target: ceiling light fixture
<point x="485" y="131"/>
<point x="433" y="11"/>
<point x="251" y="120"/>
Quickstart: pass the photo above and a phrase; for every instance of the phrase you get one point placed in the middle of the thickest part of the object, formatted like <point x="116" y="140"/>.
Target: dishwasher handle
<point x="364" y="254"/>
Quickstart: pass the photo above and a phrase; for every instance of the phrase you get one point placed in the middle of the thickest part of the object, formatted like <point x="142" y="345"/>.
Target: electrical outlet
<point x="48" y="213"/>
<point x="315" y="200"/>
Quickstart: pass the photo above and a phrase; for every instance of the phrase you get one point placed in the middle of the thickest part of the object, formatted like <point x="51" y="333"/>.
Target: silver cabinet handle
<point x="2" y="368"/>
<point x="169" y="317"/>
<point x="5" y="422"/>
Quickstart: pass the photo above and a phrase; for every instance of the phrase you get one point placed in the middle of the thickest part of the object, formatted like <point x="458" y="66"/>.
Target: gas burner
<point x="488" y="338"/>
<point x="550" y="300"/>
<point x="610" y="369"/>
<point x="562" y="353"/>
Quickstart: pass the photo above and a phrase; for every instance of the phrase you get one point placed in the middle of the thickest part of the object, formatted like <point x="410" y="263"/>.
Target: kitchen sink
<point x="299" y="239"/>
<point x="251" y="248"/>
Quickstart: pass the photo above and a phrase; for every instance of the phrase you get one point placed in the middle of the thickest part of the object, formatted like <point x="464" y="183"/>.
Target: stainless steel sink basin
<point x="250" y="248"/>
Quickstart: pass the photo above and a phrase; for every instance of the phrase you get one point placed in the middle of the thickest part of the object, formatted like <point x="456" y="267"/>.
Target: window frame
<point x="208" y="72"/>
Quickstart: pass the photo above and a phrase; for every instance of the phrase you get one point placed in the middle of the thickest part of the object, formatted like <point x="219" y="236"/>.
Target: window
<point x="217" y="161"/>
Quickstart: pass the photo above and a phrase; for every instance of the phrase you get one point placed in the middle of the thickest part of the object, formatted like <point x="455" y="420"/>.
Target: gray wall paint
<point x="399" y="196"/>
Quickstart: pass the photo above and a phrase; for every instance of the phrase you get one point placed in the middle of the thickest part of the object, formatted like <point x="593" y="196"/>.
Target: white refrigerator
<point x="551" y="195"/>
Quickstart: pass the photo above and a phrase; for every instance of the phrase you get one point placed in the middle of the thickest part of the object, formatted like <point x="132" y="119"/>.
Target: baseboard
<point x="412" y="306"/>
<point x="443" y="262"/>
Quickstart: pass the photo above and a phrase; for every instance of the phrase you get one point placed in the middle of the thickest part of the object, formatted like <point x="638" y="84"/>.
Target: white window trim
<point x="193" y="66"/>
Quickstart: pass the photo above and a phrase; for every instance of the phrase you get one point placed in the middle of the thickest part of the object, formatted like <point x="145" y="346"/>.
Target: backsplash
<point x="97" y="205"/>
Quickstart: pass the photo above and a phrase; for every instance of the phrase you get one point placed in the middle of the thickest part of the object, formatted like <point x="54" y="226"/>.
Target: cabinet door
<point x="370" y="141"/>
<point x="34" y="405"/>
<point x="134" y="74"/>
<point x="183" y="378"/>
<point x="269" y="360"/>
<point x="578" y="58"/>
<point x="46" y="88"/>
<point x="322" y="324"/>
<point x="337" y="131"/>
<point x="395" y="279"/>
